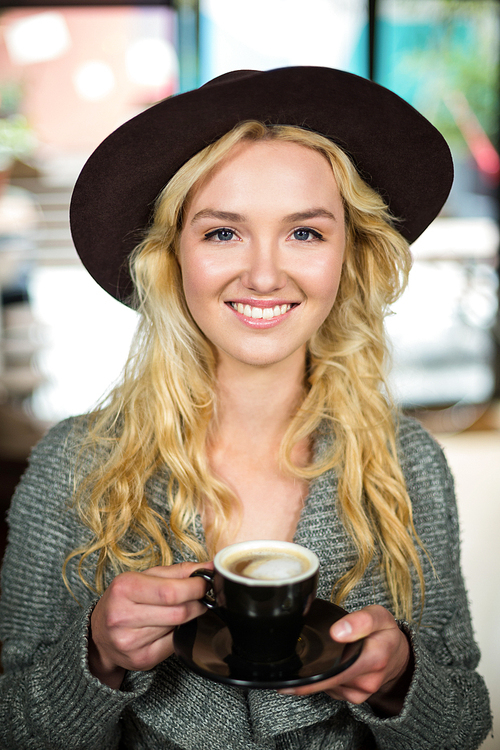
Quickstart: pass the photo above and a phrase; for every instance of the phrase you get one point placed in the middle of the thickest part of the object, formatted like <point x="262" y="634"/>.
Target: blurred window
<point x="266" y="34"/>
<point x="70" y="75"/>
<point x="442" y="56"/>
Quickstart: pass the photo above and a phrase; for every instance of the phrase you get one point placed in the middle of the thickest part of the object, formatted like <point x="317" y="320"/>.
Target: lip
<point x="261" y="322"/>
<point x="262" y="302"/>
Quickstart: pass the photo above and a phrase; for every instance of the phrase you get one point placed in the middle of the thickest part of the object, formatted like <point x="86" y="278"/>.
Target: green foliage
<point x="17" y="140"/>
<point x="459" y="53"/>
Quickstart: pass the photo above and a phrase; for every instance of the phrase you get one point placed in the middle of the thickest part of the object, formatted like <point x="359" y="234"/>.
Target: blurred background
<point x="70" y="73"/>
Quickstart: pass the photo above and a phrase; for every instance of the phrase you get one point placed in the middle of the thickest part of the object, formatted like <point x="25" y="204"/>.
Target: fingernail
<point x="286" y="691"/>
<point x="341" y="629"/>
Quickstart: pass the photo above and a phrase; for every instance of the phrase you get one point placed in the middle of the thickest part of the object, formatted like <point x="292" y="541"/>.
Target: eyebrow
<point x="313" y="213"/>
<point x="210" y="213"/>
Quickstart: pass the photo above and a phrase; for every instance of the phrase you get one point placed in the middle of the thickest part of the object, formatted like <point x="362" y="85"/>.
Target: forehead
<point x="268" y="170"/>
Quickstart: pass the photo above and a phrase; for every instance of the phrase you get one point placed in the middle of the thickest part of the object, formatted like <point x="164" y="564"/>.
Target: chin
<point x="265" y="359"/>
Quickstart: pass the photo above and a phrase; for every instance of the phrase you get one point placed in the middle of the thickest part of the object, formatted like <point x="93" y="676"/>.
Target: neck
<point x="256" y="404"/>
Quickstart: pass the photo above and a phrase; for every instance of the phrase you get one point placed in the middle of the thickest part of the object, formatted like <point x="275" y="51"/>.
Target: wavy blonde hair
<point x="161" y="413"/>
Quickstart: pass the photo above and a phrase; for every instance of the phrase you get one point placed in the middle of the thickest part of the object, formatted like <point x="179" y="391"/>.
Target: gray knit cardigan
<point x="49" y="699"/>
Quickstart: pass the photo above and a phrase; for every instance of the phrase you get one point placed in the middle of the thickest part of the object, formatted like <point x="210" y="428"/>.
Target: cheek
<point x="190" y="284"/>
<point x="201" y="281"/>
<point x="193" y="274"/>
<point x="333" y="287"/>
<point x="323" y="281"/>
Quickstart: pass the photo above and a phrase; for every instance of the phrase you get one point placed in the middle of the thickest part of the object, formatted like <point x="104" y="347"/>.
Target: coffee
<point x="262" y="589"/>
<point x="267" y="565"/>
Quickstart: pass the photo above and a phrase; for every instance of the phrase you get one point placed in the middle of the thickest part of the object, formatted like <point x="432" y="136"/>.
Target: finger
<point x="173" y="616"/>
<point x="180" y="570"/>
<point x="157" y="590"/>
<point x="380" y="659"/>
<point x="353" y="690"/>
<point x="362" y="623"/>
<point x="173" y="592"/>
<point x="162" y="619"/>
<point x="146" y="624"/>
<point x="364" y="676"/>
<point x="346" y="678"/>
<point x="341" y="682"/>
<point x="149" y="654"/>
<point x="384" y="657"/>
<point x="132" y="633"/>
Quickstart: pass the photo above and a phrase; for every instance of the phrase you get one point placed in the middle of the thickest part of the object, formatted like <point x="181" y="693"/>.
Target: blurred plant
<point x="17" y="140"/>
<point x="455" y="48"/>
<point x="11" y="95"/>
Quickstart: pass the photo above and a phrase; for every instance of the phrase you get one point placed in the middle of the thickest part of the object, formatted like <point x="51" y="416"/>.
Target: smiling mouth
<point x="266" y="313"/>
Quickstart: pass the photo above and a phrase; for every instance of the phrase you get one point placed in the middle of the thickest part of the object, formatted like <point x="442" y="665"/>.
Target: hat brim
<point x="395" y="149"/>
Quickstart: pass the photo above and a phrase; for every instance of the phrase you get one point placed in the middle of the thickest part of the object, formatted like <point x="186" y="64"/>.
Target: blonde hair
<point x="161" y="413"/>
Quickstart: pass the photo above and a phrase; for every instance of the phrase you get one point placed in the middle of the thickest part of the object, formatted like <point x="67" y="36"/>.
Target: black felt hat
<point x="395" y="149"/>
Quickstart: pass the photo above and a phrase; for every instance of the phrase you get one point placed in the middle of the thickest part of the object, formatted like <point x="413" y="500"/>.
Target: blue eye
<point x="222" y="235"/>
<point x="304" y="233"/>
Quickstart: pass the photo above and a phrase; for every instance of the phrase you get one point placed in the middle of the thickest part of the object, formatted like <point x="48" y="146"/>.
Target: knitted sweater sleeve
<point x="48" y="697"/>
<point x="447" y="706"/>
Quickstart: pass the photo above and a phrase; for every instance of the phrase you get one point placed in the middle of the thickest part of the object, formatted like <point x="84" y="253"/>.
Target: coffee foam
<point x="267" y="564"/>
<point x="274" y="569"/>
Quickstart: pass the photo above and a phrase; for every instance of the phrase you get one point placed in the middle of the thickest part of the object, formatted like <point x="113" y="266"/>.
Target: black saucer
<point x="205" y="646"/>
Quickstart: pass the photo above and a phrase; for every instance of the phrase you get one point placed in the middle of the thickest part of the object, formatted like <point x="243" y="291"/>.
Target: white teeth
<point x="267" y="313"/>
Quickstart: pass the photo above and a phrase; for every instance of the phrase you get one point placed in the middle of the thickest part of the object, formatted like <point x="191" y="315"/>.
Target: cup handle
<point x="208" y="576"/>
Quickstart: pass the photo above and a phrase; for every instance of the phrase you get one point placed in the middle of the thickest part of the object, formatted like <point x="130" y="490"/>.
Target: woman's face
<point x="261" y="251"/>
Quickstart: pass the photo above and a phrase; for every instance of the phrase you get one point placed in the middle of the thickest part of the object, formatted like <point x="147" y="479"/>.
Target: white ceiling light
<point x="151" y="62"/>
<point x="43" y="36"/>
<point x="94" y="80"/>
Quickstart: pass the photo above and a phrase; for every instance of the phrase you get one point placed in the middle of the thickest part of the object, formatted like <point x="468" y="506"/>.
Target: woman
<point x="253" y="405"/>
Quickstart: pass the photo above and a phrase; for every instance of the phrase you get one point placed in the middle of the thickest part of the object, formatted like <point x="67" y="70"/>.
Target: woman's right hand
<point x="133" y="622"/>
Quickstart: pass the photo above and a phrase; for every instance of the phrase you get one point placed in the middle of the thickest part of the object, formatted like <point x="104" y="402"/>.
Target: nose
<point x="264" y="272"/>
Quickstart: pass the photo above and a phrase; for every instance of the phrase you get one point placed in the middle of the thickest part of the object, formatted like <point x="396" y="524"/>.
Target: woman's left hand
<point x="382" y="673"/>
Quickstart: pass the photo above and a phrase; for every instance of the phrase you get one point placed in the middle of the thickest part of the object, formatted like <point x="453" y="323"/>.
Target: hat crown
<point x="395" y="149"/>
<point x="231" y="77"/>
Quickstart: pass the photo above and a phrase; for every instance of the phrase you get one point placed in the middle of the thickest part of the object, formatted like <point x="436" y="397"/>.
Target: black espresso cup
<point x="262" y="590"/>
